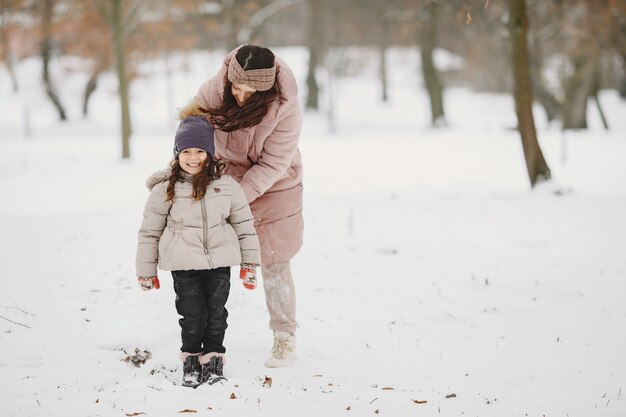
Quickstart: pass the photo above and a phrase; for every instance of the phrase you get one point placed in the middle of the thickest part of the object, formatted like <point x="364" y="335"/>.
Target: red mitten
<point x="247" y="273"/>
<point x="148" y="283"/>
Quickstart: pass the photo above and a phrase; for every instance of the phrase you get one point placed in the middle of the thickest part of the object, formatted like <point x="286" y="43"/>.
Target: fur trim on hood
<point x="158" y="177"/>
<point x="193" y="108"/>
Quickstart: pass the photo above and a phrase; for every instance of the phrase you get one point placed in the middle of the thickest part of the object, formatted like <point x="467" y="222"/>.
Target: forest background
<point x="465" y="191"/>
<point x="560" y="53"/>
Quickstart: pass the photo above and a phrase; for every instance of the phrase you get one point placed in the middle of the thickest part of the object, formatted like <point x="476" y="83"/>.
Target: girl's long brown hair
<point x="229" y="116"/>
<point x="211" y="170"/>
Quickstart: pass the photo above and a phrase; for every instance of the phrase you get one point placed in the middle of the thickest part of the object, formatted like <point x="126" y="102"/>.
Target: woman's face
<point x="242" y="93"/>
<point x="192" y="159"/>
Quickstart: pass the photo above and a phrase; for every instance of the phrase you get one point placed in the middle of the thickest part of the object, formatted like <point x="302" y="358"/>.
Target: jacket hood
<point x="191" y="109"/>
<point x="157" y="178"/>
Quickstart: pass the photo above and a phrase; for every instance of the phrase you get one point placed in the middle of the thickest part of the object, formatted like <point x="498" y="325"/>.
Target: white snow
<point x="429" y="267"/>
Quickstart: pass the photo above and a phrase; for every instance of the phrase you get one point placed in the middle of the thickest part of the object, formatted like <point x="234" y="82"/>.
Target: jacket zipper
<point x="205" y="233"/>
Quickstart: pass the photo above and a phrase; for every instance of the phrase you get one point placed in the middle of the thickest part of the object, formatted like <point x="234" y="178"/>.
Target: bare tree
<point x="46" y="13"/>
<point x="99" y="66"/>
<point x="518" y="25"/>
<point x="622" y="87"/>
<point x="234" y="15"/>
<point x="7" y="9"/>
<point x="427" y="33"/>
<point x="579" y="88"/>
<point x="544" y="40"/>
<point x="378" y="18"/>
<point x="249" y="30"/>
<point x="315" y="47"/>
<point x="117" y="19"/>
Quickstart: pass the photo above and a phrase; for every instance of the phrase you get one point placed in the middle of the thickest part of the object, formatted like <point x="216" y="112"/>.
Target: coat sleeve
<point x="154" y="221"/>
<point x="241" y="220"/>
<point x="277" y="155"/>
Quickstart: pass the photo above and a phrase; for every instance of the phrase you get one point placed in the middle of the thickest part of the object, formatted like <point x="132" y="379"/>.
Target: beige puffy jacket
<point x="189" y="234"/>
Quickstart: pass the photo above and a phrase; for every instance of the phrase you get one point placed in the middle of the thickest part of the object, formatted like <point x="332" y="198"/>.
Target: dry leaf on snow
<point x="420" y="401"/>
<point x="187" y="410"/>
<point x="267" y="382"/>
<point x="135" y="414"/>
<point x="233" y="396"/>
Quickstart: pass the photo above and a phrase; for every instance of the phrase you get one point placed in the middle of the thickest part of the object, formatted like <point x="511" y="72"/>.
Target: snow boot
<point x="283" y="351"/>
<point x="191" y="371"/>
<point x="212" y="368"/>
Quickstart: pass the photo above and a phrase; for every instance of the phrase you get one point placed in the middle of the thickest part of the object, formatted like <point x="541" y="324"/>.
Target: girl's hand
<point x="148" y="283"/>
<point x="247" y="273"/>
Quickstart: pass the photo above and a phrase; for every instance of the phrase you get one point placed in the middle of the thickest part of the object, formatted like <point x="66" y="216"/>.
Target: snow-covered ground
<point x="432" y="280"/>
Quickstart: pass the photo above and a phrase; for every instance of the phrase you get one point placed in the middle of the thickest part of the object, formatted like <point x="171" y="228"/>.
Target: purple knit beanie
<point x="194" y="132"/>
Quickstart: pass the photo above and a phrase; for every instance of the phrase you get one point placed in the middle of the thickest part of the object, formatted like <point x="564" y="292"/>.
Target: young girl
<point x="197" y="223"/>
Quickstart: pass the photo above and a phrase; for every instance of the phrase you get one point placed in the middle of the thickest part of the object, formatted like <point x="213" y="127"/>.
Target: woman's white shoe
<point x="283" y="351"/>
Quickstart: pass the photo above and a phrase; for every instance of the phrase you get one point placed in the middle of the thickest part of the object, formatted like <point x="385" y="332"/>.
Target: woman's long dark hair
<point x="229" y="116"/>
<point x="211" y="170"/>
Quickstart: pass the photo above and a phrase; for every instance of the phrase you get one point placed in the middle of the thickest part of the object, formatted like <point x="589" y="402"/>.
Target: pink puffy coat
<point x="267" y="163"/>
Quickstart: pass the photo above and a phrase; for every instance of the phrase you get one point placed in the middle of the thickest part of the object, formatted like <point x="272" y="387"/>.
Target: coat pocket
<point x="168" y="242"/>
<point x="224" y="249"/>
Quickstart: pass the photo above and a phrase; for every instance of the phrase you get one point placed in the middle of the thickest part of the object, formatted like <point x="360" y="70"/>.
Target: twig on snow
<point x="21" y="310"/>
<point x="14" y="322"/>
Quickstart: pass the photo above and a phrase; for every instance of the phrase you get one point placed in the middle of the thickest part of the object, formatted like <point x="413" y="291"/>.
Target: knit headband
<point x="259" y="79"/>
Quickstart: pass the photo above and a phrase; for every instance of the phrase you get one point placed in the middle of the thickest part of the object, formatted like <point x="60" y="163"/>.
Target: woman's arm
<point x="277" y="155"/>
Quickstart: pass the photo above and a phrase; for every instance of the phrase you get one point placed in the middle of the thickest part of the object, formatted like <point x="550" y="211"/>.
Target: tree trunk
<point x="622" y="87"/>
<point x="46" y="54"/>
<point x="547" y="100"/>
<point x="120" y="65"/>
<point x="535" y="163"/>
<point x="315" y="51"/>
<point x="382" y="51"/>
<point x="5" y="48"/>
<point x="92" y="83"/>
<point x="428" y="42"/>
<point x="250" y="30"/>
<point x="232" y="11"/>
<point x="91" y="86"/>
<point x="578" y="90"/>
<point x="595" y="92"/>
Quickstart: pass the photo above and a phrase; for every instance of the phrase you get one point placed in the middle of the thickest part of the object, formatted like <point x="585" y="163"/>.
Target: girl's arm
<point x="241" y="220"/>
<point x="154" y="221"/>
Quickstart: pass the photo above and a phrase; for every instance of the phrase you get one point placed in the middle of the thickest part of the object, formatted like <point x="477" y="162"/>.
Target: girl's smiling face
<point x="192" y="160"/>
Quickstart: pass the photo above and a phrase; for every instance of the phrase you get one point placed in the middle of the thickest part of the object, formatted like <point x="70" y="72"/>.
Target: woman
<point x="253" y="105"/>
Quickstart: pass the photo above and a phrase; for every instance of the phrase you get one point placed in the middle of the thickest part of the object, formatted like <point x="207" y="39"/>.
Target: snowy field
<point x="433" y="281"/>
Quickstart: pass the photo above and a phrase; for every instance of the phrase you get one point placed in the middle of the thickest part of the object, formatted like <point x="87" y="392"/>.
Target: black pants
<point x="200" y="298"/>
